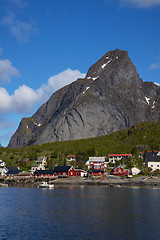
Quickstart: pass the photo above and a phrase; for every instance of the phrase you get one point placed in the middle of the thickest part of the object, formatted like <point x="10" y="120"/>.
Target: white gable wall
<point x="154" y="165"/>
<point x="96" y="159"/>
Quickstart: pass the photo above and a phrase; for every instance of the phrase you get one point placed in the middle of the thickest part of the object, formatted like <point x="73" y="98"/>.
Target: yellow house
<point x="42" y="161"/>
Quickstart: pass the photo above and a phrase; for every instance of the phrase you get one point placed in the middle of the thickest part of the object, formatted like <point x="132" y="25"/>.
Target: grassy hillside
<point x="146" y="135"/>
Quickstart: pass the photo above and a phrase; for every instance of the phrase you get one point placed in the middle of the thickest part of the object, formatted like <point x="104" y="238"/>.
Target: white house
<point x="117" y="157"/>
<point x="87" y="164"/>
<point x="42" y="161"/>
<point x="154" y="165"/>
<point x="2" y="164"/>
<point x="36" y="166"/>
<point x="4" y="171"/>
<point x="152" y="160"/>
<point x="71" y="158"/>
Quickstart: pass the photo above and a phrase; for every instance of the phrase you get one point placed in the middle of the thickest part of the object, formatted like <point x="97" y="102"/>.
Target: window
<point x="157" y="165"/>
<point x="97" y="166"/>
<point x="151" y="165"/>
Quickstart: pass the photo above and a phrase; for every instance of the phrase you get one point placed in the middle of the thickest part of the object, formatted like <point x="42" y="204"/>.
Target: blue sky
<point x="46" y="44"/>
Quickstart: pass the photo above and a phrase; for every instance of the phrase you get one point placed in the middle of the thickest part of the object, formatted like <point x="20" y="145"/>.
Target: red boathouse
<point x="43" y="173"/>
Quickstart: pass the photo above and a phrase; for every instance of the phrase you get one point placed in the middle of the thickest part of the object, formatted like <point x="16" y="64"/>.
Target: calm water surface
<point x="92" y="212"/>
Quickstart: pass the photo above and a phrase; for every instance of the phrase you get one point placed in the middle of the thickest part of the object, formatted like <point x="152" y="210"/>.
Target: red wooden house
<point x="95" y="172"/>
<point x="43" y="173"/>
<point x="119" y="171"/>
<point x="80" y="172"/>
<point x="97" y="163"/>
<point x="67" y="171"/>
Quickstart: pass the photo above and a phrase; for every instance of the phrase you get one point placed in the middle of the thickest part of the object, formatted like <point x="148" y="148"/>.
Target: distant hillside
<point x="111" y="97"/>
<point x="143" y="136"/>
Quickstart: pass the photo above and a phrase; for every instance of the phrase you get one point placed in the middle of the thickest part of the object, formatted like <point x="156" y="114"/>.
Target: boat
<point x="3" y="185"/>
<point x="46" y="185"/>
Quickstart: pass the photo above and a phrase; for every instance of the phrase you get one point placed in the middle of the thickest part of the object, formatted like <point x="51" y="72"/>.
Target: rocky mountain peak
<point x="116" y="68"/>
<point x="102" y="65"/>
<point x="111" y="97"/>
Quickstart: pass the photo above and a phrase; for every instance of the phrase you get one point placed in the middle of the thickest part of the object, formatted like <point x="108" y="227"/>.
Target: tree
<point x="129" y="162"/>
<point x="61" y="159"/>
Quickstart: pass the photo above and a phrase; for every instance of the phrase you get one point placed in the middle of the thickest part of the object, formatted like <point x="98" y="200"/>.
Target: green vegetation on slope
<point x="144" y="136"/>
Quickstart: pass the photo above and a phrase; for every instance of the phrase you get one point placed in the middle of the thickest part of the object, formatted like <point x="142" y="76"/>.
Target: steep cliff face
<point x="111" y="97"/>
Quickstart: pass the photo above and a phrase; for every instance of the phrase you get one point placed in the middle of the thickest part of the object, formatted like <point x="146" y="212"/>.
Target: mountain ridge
<point x="110" y="98"/>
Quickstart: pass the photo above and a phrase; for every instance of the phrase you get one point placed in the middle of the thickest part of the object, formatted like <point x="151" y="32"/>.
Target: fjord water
<point x="76" y="212"/>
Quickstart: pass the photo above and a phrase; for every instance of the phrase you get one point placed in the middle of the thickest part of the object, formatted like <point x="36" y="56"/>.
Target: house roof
<point x="95" y="171"/>
<point x="118" y="167"/>
<point x="119" y="155"/>
<point x="41" y="159"/>
<point x="71" y="156"/>
<point x="13" y="170"/>
<point x="44" y="171"/>
<point x="152" y="157"/>
<point x="113" y="169"/>
<point x="62" y="168"/>
<point x="97" y="159"/>
<point x="76" y="169"/>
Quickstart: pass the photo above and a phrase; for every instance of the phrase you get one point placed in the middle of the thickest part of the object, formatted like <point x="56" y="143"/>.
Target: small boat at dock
<point x="46" y="185"/>
<point x="3" y="185"/>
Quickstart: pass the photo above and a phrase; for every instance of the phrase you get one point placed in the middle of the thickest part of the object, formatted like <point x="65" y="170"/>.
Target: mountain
<point x="111" y="97"/>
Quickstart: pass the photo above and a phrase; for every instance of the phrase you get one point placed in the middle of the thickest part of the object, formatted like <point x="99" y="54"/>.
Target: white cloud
<point x="140" y="3"/>
<point x="24" y="98"/>
<point x="7" y="71"/>
<point x="58" y="81"/>
<point x="21" y="101"/>
<point x="20" y="29"/>
<point x="155" y="65"/>
<point x="5" y="101"/>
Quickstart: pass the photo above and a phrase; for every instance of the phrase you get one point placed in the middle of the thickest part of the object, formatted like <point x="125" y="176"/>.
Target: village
<point x="103" y="170"/>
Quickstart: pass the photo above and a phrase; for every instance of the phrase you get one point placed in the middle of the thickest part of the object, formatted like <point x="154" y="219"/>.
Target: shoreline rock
<point x="106" y="181"/>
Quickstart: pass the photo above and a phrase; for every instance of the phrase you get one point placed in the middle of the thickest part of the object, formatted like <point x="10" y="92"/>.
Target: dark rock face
<point x="111" y="97"/>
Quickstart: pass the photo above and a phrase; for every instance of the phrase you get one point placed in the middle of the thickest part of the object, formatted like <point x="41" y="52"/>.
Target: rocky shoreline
<point x="108" y="181"/>
<point x="112" y="181"/>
